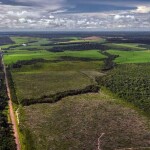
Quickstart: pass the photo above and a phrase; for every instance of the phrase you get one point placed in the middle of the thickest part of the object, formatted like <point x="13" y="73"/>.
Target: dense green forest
<point x="130" y="82"/>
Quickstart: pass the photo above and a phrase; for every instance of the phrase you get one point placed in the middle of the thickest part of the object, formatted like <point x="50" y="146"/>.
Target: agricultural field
<point x="69" y="90"/>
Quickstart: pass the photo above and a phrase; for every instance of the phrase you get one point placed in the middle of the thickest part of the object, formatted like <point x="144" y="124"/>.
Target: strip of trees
<point x="58" y="96"/>
<point x="78" y="47"/>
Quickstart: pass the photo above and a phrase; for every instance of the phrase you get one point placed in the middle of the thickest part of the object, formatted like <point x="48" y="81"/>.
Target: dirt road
<point x="11" y="111"/>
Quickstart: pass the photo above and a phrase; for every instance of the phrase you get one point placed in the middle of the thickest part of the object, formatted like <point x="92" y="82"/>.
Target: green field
<point x="61" y="66"/>
<point x="37" y="80"/>
<point x="22" y="40"/>
<point x="17" y="55"/>
<point x="76" y="123"/>
<point x="126" y="46"/>
<point x="131" y="56"/>
<point x="35" y="85"/>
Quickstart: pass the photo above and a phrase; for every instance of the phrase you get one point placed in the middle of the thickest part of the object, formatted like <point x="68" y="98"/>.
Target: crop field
<point x="69" y="90"/>
<point x="76" y="123"/>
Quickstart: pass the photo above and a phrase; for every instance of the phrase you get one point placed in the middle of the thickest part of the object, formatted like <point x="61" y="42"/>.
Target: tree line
<point x="58" y="96"/>
<point x="78" y="47"/>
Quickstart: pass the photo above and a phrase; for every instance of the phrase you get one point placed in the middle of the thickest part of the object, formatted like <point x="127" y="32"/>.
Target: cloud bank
<point x="74" y="15"/>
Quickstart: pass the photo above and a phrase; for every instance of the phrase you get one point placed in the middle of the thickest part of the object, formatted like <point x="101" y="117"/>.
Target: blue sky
<point x="75" y="14"/>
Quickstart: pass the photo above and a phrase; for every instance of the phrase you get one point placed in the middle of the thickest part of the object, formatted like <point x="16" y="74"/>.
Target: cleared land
<point x="76" y="123"/>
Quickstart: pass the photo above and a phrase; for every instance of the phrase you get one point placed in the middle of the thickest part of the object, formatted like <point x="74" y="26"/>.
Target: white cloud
<point x="117" y="17"/>
<point x="18" y="13"/>
<point x="142" y="9"/>
<point x="22" y="20"/>
<point x="51" y="17"/>
<point x="36" y="17"/>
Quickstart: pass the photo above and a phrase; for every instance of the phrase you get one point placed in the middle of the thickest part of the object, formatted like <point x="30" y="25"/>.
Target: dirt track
<point x="11" y="111"/>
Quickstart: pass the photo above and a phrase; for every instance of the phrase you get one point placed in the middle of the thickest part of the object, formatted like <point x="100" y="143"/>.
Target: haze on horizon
<point x="75" y="15"/>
